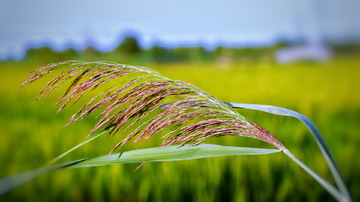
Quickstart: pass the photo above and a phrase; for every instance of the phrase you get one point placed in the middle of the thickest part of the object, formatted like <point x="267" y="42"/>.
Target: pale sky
<point x="241" y="22"/>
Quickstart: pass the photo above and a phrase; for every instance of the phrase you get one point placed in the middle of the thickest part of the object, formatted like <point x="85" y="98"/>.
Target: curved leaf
<point x="330" y="160"/>
<point x="156" y="154"/>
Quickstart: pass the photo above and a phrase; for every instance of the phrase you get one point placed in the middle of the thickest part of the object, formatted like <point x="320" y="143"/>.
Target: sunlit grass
<point x="325" y="93"/>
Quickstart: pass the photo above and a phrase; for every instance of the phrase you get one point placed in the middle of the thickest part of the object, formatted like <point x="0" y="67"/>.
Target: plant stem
<point x="77" y="146"/>
<point x="329" y="187"/>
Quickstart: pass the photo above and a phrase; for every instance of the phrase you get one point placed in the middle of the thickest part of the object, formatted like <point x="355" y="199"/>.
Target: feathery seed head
<point x="190" y="114"/>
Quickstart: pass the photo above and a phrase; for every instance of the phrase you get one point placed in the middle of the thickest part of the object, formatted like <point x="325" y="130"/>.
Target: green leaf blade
<point x="172" y="153"/>
<point x="156" y="154"/>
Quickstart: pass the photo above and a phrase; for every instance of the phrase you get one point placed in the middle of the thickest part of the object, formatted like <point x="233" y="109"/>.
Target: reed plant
<point x="144" y="103"/>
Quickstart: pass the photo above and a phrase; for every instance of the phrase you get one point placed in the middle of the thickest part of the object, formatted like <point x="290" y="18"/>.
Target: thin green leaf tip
<point x="191" y="115"/>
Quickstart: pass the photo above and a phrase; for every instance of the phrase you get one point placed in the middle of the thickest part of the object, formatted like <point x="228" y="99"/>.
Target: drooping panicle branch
<point x="190" y="114"/>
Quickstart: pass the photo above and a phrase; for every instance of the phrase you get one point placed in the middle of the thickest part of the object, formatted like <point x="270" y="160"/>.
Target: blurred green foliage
<point x="129" y="46"/>
<point x="129" y="51"/>
<point x="327" y="93"/>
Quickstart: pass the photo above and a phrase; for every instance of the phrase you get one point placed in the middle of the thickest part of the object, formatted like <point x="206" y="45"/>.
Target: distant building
<point x="306" y="52"/>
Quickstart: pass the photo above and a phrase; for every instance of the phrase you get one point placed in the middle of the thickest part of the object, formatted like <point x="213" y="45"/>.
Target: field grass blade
<point x="9" y="183"/>
<point x="156" y="154"/>
<point x="330" y="160"/>
<point x="172" y="153"/>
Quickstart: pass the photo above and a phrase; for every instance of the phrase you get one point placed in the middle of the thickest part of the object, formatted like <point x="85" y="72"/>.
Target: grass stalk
<point x="324" y="183"/>
<point x="77" y="146"/>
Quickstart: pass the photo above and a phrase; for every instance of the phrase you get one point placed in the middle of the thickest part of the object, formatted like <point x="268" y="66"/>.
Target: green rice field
<point x="327" y="93"/>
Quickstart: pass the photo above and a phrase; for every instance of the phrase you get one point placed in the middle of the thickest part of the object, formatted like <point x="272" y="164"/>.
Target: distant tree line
<point x="129" y="51"/>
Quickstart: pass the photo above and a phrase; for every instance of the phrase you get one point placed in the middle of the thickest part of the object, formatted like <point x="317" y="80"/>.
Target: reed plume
<point x="190" y="114"/>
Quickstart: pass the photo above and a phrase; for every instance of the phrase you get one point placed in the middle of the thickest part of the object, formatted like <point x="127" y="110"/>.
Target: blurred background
<point x="301" y="55"/>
